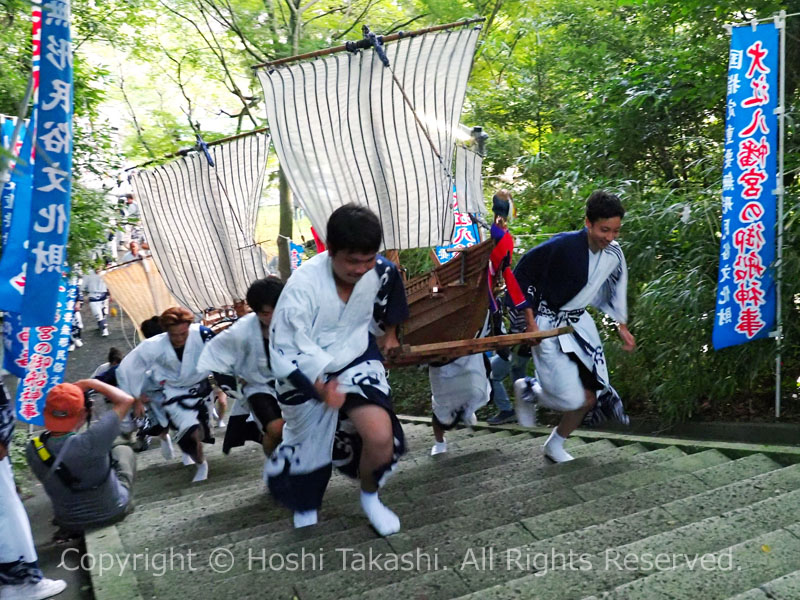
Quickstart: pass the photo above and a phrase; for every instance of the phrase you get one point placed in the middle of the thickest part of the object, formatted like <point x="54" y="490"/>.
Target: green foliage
<point x="583" y="94"/>
<point x="575" y="94"/>
<point x="89" y="224"/>
<point x="22" y="473"/>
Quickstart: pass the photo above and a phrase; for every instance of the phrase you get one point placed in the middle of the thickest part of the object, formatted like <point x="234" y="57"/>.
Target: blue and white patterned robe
<point x="561" y="278"/>
<point x="314" y="335"/>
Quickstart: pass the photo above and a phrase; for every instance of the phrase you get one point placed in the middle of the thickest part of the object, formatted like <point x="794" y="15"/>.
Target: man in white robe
<point x="97" y="292"/>
<point x="324" y="352"/>
<point x="458" y="389"/>
<point x="561" y="278"/>
<point x="170" y="359"/>
<point x="241" y="351"/>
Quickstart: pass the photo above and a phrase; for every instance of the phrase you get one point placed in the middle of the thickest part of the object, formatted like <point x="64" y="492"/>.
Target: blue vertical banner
<point x="15" y="344"/>
<point x="746" y="285"/>
<point x="296" y="254"/>
<point x="9" y="187"/>
<point x="50" y="202"/>
<point x="16" y="204"/>
<point x="465" y="233"/>
<point x="48" y="346"/>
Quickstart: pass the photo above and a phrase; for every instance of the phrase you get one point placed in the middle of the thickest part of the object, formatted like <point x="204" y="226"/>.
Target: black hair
<point x="151" y="327"/>
<point x="603" y="205"/>
<point x="264" y="292"/>
<point x="354" y="228"/>
<point x="114" y="356"/>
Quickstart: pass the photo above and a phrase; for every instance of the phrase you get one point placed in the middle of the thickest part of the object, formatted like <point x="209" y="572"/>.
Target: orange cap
<point x="64" y="407"/>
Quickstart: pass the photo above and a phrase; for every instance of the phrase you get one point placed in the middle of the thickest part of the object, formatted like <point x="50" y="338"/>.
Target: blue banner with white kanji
<point x="50" y="203"/>
<point x="16" y="204"/>
<point x="745" y="307"/>
<point x="47" y="349"/>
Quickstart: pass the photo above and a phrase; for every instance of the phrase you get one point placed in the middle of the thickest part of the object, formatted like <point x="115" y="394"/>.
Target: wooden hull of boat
<point x="449" y="303"/>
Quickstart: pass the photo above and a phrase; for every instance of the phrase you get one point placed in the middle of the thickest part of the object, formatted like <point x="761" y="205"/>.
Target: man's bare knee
<point x="377" y="440"/>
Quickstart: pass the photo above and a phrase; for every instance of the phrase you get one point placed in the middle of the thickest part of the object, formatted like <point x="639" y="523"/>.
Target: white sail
<point x="346" y="131"/>
<point x="200" y="221"/>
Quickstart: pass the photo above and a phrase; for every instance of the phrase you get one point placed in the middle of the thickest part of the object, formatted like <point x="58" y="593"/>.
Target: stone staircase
<point x="630" y="518"/>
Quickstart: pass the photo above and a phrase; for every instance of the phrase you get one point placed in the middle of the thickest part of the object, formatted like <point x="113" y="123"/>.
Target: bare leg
<point x="571" y="420"/>
<point x="222" y="407"/>
<point x="440" y="446"/>
<point x="202" y="466"/>
<point x="438" y="432"/>
<point x="197" y="436"/>
<point x="273" y="435"/>
<point x="375" y="428"/>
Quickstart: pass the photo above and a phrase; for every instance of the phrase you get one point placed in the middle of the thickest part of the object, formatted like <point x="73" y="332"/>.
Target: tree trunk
<point x="284" y="227"/>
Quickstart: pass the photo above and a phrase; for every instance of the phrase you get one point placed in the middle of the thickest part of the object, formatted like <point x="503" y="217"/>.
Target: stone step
<point x="343" y="584"/>
<point x="170" y="484"/>
<point x="737" y="473"/>
<point x="613" y="528"/>
<point x="739" y="567"/>
<point x="782" y="588"/>
<point x="454" y="541"/>
<point x="351" y="512"/>
<point x="196" y="518"/>
<point x="416" y="436"/>
<point x="504" y="534"/>
<point x="172" y="479"/>
<point x="608" y="575"/>
<point x="410" y="471"/>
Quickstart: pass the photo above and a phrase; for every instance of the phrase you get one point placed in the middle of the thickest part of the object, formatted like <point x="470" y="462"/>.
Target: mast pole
<point x="385" y="38"/>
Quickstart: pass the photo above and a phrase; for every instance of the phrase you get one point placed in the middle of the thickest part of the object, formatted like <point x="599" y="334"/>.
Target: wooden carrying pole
<point x="446" y="351"/>
<point x="385" y="38"/>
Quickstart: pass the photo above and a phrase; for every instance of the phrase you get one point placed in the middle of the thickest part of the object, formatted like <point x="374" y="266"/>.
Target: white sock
<point x="187" y="460"/>
<point x="166" y="448"/>
<point x="439" y="448"/>
<point x="304" y="518"/>
<point x="554" y="448"/>
<point x="382" y="519"/>
<point x="202" y="472"/>
<point x="556" y="439"/>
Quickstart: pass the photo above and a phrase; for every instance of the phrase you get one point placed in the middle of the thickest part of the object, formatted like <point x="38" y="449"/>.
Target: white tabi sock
<point x="382" y="519"/>
<point x="439" y="448"/>
<point x="187" y="460"/>
<point x="304" y="518"/>
<point x="166" y="448"/>
<point x="554" y="448"/>
<point x="202" y="472"/>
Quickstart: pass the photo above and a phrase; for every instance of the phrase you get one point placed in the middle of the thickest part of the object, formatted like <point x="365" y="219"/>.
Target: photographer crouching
<point x="86" y="477"/>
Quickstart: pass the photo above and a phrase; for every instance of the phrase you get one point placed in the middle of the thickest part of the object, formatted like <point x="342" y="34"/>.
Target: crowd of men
<point x="305" y="370"/>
